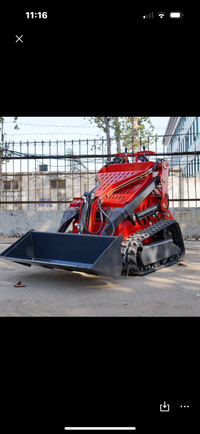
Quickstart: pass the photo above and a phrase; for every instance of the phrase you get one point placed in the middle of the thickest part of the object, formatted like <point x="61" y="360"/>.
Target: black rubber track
<point x="132" y="246"/>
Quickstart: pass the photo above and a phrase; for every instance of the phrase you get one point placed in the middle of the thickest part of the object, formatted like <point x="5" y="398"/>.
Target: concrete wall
<point x="188" y="218"/>
<point x="13" y="222"/>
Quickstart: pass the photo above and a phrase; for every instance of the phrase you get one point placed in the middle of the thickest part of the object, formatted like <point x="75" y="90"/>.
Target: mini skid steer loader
<point x="122" y="225"/>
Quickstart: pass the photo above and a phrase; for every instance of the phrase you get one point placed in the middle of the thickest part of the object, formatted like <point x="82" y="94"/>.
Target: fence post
<point x="1" y="161"/>
<point x="188" y="194"/>
<point x="1" y="152"/>
<point x="95" y="151"/>
<point x="179" y="166"/>
<point x="195" y="169"/>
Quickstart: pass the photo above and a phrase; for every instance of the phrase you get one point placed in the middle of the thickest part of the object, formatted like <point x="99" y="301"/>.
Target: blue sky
<point x="160" y="124"/>
<point x="61" y="128"/>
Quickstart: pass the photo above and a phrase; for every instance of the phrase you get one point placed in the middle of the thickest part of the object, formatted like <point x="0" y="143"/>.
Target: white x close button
<point x="19" y="38"/>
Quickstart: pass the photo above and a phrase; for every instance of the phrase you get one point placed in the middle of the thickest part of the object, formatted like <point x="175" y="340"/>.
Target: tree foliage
<point x="121" y="130"/>
<point x="144" y="136"/>
<point x="16" y="127"/>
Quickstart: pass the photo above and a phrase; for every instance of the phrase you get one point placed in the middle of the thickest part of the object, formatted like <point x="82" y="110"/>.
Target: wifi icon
<point x="161" y="14"/>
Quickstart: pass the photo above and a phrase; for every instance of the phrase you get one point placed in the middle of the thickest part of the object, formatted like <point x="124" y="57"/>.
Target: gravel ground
<point x="172" y="291"/>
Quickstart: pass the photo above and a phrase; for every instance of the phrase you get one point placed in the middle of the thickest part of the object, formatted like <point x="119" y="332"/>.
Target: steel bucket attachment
<point x="75" y="252"/>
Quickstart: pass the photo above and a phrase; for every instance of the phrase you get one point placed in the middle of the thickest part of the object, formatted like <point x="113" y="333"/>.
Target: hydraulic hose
<point x="106" y="217"/>
<point x="95" y="233"/>
<point x="102" y="212"/>
<point x="101" y="216"/>
<point x="155" y="165"/>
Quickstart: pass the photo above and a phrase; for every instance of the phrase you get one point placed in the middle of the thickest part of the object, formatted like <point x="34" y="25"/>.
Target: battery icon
<point x="175" y="14"/>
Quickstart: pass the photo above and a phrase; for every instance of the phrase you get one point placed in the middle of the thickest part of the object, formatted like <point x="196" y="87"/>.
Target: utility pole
<point x="107" y="122"/>
<point x="118" y="135"/>
<point x="2" y="136"/>
<point x="134" y="133"/>
<point x="1" y="152"/>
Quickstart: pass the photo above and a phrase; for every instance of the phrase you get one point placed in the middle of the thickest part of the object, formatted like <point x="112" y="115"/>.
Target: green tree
<point x="131" y="132"/>
<point x="144" y="135"/>
<point x="16" y="127"/>
<point x="103" y="123"/>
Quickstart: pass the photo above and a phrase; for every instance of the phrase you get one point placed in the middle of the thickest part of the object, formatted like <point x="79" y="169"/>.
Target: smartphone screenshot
<point x="99" y="218"/>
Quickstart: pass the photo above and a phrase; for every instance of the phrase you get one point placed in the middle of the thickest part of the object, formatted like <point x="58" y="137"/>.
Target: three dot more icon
<point x="184" y="406"/>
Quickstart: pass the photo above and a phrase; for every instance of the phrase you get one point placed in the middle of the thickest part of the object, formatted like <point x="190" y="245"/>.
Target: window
<point x="186" y="143"/>
<point x="57" y="183"/>
<point x="185" y="172"/>
<point x="192" y="167"/>
<point x="11" y="185"/>
<point x="190" y="136"/>
<point x="193" y="130"/>
<point x="7" y="185"/>
<point x="53" y="183"/>
<point x="197" y="126"/>
<point x="61" y="183"/>
<point x="183" y="145"/>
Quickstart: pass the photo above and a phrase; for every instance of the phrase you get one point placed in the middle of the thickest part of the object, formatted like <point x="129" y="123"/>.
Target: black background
<point x="58" y="372"/>
<point x="55" y="372"/>
<point x="106" y="59"/>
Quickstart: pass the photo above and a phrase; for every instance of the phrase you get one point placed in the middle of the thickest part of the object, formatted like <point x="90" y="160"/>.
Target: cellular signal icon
<point x="150" y="15"/>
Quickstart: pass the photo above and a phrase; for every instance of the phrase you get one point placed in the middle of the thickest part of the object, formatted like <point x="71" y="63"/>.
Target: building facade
<point x="29" y="191"/>
<point x="183" y="135"/>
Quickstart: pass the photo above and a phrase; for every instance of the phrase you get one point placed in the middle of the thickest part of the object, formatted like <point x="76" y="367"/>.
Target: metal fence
<point x="47" y="175"/>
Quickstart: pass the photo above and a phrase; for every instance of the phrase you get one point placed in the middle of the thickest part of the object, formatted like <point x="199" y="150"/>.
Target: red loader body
<point x="122" y="225"/>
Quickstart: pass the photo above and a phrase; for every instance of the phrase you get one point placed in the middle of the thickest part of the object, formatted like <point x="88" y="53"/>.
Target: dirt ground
<point x="172" y="291"/>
